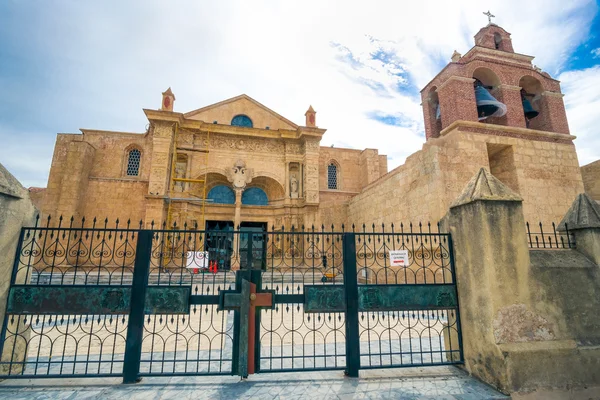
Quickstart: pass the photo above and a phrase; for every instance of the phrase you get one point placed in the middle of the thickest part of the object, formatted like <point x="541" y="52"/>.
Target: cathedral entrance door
<point x="252" y="248"/>
<point x="219" y="243"/>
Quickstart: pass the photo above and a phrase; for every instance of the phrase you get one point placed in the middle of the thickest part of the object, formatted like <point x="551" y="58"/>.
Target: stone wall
<point x="523" y="329"/>
<point x="591" y="179"/>
<point x="542" y="169"/>
<point x="16" y="211"/>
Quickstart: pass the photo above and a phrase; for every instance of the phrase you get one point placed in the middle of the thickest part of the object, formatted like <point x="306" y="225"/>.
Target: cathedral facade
<point x="239" y="163"/>
<point x="234" y="163"/>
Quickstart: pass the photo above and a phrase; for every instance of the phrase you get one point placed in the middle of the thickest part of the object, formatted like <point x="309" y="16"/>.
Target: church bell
<point x="487" y="105"/>
<point x="530" y="113"/>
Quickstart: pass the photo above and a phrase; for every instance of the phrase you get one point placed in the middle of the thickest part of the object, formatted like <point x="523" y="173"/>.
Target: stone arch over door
<point x="272" y="188"/>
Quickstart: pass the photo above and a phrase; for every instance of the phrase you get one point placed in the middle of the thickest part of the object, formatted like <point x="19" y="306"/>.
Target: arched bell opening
<point x="497" y="41"/>
<point x="489" y="109"/>
<point x="435" y="112"/>
<point x="531" y="98"/>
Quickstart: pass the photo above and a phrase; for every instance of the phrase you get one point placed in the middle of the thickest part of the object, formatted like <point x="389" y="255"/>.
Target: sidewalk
<point x="409" y="383"/>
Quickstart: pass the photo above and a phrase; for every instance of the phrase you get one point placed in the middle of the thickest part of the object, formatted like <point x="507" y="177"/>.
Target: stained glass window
<point x="221" y="194"/>
<point x="255" y="196"/>
<point x="332" y="181"/>
<point x="242" y="120"/>
<point x="133" y="162"/>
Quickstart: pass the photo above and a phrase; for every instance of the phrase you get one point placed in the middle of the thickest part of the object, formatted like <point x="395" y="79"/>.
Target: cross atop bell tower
<point x="490" y="16"/>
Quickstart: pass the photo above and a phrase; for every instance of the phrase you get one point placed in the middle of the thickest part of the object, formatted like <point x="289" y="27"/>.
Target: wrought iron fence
<point x="88" y="256"/>
<point x="421" y="334"/>
<point x="549" y="238"/>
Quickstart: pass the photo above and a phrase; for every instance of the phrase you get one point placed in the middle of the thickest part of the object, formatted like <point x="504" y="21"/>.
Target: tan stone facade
<point x="540" y="166"/>
<point x="236" y="149"/>
<point x="89" y="175"/>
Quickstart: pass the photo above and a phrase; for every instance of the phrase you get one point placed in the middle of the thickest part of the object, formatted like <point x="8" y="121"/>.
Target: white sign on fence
<point x="399" y="258"/>
<point x="197" y="259"/>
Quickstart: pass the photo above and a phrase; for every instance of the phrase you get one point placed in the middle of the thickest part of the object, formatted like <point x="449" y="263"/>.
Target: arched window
<point x="497" y="40"/>
<point x="221" y="194"/>
<point x="241" y="120"/>
<point x="133" y="162"/>
<point x="332" y="176"/>
<point x="255" y="197"/>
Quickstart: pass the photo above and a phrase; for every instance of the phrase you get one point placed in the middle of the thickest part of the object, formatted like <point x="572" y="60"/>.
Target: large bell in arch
<point x="487" y="105"/>
<point x="528" y="109"/>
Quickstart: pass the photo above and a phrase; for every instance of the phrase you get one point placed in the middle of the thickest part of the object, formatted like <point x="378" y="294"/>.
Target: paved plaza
<point x="409" y="383"/>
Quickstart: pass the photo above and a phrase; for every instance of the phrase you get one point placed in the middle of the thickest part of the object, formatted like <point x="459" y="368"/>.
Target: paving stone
<point x="409" y="383"/>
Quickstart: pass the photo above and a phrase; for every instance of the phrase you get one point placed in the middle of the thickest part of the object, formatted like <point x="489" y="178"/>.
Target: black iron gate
<point x="133" y="302"/>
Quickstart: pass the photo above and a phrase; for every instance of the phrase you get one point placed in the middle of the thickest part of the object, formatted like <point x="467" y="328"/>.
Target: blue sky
<point x="66" y="65"/>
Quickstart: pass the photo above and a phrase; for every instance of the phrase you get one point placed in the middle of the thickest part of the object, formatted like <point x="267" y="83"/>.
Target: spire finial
<point x="489" y="15"/>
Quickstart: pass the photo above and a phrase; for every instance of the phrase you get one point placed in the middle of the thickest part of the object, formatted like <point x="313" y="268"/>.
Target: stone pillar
<point x="492" y="261"/>
<point x="237" y="221"/>
<point x="238" y="208"/>
<point x="552" y="113"/>
<point x="457" y="100"/>
<point x="16" y="211"/>
<point x="287" y="182"/>
<point x="583" y="220"/>
<point x="311" y="160"/>
<point x="160" y="164"/>
<point x="511" y="96"/>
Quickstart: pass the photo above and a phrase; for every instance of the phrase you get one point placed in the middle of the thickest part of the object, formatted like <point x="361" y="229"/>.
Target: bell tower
<point x="491" y="84"/>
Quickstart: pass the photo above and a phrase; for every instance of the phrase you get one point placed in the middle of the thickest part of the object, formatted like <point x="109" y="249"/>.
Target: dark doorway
<point x="253" y="245"/>
<point x="219" y="243"/>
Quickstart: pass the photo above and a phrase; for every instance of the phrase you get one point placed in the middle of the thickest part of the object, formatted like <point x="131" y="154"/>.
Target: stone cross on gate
<point x="246" y="302"/>
<point x="490" y="16"/>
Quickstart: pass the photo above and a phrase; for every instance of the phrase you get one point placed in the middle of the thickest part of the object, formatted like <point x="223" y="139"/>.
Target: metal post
<point x="351" y="291"/>
<point x="135" y="327"/>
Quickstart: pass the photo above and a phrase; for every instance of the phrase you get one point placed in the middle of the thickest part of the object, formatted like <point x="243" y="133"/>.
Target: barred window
<point x="332" y="179"/>
<point x="133" y="162"/>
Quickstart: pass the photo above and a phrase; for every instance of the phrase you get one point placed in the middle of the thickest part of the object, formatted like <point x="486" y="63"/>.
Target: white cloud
<point x="596" y="52"/>
<point x="582" y="101"/>
<point x="105" y="61"/>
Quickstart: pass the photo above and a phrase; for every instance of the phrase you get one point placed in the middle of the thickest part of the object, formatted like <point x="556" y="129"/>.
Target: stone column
<point x="492" y="261"/>
<point x="238" y="208"/>
<point x="583" y="220"/>
<point x="237" y="220"/>
<point x="287" y="180"/>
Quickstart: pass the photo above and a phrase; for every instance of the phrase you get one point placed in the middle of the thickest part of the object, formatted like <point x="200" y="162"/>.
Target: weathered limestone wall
<point x="543" y="170"/>
<point x="523" y="328"/>
<point x="591" y="179"/>
<point x="356" y="168"/>
<point x="16" y="211"/>
<point x="114" y="198"/>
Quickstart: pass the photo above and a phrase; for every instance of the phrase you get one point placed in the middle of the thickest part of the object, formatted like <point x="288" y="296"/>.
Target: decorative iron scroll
<point x="324" y="298"/>
<point x="99" y="300"/>
<point x="406" y="297"/>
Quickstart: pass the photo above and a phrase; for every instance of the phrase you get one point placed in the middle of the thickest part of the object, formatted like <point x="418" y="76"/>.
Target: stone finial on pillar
<point x="311" y="117"/>
<point x="583" y="219"/>
<point x="168" y="98"/>
<point x="456" y="56"/>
